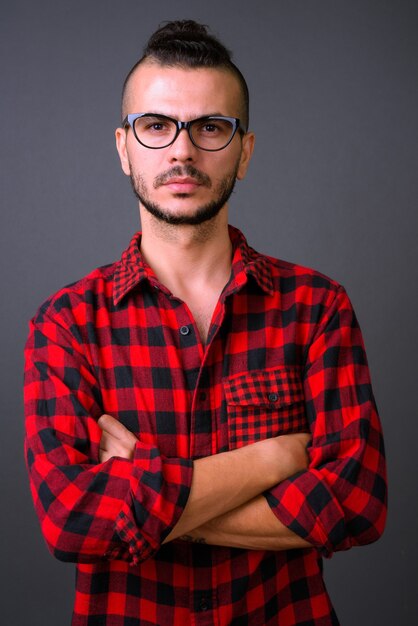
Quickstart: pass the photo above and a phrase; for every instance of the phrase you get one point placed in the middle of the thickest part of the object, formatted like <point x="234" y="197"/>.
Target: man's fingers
<point x="116" y="439"/>
<point x="115" y="436"/>
<point x="112" y="426"/>
<point x="305" y="437"/>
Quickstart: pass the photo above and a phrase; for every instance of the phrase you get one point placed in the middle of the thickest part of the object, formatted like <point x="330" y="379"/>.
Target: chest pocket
<point x="263" y="404"/>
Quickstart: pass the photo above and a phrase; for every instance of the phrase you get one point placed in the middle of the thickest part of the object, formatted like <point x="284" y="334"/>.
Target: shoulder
<point x="310" y="299"/>
<point x="91" y="291"/>
<point x="303" y="284"/>
<point x="287" y="270"/>
<point x="283" y="278"/>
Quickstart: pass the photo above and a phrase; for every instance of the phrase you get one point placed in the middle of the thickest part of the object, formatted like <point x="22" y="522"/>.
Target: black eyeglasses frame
<point x="129" y="121"/>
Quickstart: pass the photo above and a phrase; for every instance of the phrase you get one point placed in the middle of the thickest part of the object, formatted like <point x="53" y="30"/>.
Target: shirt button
<point x="202" y="396"/>
<point x="203" y="604"/>
<point x="273" y="397"/>
<point x="184" y="330"/>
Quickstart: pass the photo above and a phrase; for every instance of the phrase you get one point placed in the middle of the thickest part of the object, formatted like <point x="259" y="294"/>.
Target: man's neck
<point x="188" y="258"/>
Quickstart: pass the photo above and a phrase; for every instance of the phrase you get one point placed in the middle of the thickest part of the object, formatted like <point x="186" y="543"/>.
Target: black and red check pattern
<point x="284" y="354"/>
<point x="252" y="399"/>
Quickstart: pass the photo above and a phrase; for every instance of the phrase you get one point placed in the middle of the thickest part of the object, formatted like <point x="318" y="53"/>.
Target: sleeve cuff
<point x="159" y="490"/>
<point x="305" y="504"/>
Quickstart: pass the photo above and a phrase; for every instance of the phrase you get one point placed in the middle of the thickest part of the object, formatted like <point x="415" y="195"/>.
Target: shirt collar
<point x="132" y="270"/>
<point x="248" y="262"/>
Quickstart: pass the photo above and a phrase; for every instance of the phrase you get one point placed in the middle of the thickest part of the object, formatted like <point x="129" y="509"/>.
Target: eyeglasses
<point x="159" y="131"/>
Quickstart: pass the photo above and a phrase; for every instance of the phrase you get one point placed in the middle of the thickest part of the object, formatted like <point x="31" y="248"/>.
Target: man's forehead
<point x="152" y="82"/>
<point x="150" y="72"/>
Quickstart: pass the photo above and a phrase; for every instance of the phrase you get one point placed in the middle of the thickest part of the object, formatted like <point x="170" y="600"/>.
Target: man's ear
<point x="247" y="149"/>
<point x="121" y="136"/>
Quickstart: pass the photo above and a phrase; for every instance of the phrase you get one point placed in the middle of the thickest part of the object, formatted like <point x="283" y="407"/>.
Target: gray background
<point x="333" y="185"/>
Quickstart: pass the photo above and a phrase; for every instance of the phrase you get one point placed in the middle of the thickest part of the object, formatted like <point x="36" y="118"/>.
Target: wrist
<point x="292" y="454"/>
<point x="269" y="455"/>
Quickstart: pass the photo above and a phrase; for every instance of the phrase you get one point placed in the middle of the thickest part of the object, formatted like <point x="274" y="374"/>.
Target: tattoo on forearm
<point x="192" y="539"/>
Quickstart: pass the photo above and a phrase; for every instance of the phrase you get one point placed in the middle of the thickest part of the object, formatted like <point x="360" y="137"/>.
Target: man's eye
<point x="157" y="126"/>
<point x="153" y="125"/>
<point x="209" y="128"/>
<point x="213" y="127"/>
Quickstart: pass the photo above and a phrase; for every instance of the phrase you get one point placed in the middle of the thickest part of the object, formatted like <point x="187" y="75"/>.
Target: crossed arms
<point x="225" y="505"/>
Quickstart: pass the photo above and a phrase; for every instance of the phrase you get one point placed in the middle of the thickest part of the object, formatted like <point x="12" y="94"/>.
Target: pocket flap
<point x="270" y="388"/>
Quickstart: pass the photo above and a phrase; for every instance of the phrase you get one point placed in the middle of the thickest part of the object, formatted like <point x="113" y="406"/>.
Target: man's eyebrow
<point x="218" y="114"/>
<point x="191" y="117"/>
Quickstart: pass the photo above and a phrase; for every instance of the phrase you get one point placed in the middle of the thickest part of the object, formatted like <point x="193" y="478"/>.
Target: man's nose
<point x="183" y="149"/>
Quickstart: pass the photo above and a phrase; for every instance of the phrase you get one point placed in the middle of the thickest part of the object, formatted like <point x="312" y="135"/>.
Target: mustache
<point x="182" y="171"/>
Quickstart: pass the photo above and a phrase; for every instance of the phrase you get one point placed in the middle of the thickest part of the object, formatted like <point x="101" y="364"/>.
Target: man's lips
<point x="182" y="179"/>
<point x="182" y="185"/>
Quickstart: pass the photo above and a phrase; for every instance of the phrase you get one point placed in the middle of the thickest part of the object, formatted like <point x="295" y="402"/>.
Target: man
<point x="201" y="428"/>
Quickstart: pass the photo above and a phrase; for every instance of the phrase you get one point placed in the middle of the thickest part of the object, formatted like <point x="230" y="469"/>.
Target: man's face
<point x="182" y="184"/>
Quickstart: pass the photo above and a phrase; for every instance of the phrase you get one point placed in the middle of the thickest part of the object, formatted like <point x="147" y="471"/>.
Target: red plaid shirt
<point x="284" y="354"/>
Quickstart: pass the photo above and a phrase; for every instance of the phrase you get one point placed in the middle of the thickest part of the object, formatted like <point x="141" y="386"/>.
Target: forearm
<point x="252" y="526"/>
<point x="226" y="481"/>
<point x="223" y="482"/>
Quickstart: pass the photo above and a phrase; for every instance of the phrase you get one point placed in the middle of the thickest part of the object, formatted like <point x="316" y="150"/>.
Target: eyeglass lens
<point x="158" y="132"/>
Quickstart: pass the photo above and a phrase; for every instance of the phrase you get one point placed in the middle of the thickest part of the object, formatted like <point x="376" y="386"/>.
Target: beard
<point x="203" y="213"/>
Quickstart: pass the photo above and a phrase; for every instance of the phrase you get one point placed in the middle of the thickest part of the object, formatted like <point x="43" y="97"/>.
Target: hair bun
<point x="182" y="29"/>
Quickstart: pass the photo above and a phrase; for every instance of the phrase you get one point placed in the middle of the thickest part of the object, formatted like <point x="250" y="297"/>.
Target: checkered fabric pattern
<point x="261" y="402"/>
<point x="284" y="354"/>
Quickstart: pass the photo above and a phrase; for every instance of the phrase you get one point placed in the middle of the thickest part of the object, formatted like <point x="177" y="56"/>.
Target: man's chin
<point x="183" y="218"/>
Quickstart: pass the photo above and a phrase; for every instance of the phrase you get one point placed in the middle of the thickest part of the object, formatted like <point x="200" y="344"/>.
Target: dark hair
<point x="185" y="43"/>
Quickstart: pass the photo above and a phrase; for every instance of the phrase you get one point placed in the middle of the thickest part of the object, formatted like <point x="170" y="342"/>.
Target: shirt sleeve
<point x="340" y="500"/>
<point x="90" y="510"/>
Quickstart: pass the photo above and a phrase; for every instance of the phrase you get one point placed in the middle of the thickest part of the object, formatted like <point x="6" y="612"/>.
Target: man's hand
<point x="116" y="440"/>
